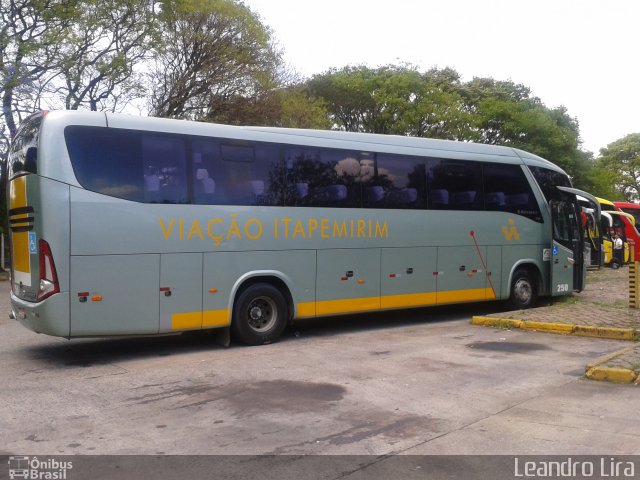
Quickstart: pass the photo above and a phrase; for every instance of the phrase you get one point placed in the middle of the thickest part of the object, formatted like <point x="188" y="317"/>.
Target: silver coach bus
<point x="126" y="225"/>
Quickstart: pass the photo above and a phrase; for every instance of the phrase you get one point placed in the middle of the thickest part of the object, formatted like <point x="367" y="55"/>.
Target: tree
<point x="211" y="52"/>
<point x="391" y="100"/>
<point x="622" y="160"/>
<point x="31" y="36"/>
<point x="506" y="113"/>
<point x="288" y="107"/>
<point x="437" y="104"/>
<point x="104" y="45"/>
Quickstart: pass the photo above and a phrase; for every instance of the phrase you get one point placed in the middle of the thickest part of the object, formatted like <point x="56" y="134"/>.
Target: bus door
<point x="593" y="242"/>
<point x="567" y="266"/>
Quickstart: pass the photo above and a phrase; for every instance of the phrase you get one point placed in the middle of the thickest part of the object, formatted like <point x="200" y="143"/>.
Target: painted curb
<point x="595" y="370"/>
<point x="563" y="328"/>
<point x="616" y="375"/>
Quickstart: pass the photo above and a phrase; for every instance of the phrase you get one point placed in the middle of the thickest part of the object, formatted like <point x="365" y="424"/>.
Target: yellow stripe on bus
<point x="190" y="320"/>
<point x="455" y="296"/>
<point x="329" y="307"/>
<point x="220" y="318"/>
<point x="19" y="240"/>
<point x="183" y="321"/>
<point x="409" y="300"/>
<point x="215" y="318"/>
<point x="352" y="305"/>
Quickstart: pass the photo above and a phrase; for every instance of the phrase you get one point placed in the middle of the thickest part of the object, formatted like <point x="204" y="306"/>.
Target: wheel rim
<point x="262" y="314"/>
<point x="522" y="291"/>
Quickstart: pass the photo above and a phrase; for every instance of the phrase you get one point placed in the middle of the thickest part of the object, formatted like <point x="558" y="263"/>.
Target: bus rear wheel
<point x="523" y="290"/>
<point x="260" y="315"/>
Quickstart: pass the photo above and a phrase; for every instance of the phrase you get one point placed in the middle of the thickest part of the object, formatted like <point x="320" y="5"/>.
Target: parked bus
<point x="612" y="223"/>
<point x="606" y="205"/>
<point x="126" y="225"/>
<point x="632" y="209"/>
<point x="624" y="225"/>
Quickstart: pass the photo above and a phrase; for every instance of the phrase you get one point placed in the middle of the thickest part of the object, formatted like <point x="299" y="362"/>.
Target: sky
<point x="581" y="54"/>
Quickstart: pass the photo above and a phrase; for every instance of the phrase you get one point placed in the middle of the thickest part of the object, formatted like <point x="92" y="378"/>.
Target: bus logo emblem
<point x="511" y="232"/>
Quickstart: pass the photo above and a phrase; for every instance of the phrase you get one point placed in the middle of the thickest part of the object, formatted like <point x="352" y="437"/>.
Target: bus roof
<point x="414" y="142"/>
<point x="395" y="144"/>
<point x="629" y="205"/>
<point x="604" y="201"/>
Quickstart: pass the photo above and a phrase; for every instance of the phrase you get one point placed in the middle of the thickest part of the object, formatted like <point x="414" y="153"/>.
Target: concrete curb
<point x="563" y="328"/>
<point x="595" y="370"/>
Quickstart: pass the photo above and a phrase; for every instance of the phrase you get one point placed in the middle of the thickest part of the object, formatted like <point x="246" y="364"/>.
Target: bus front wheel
<point x="523" y="290"/>
<point x="260" y="315"/>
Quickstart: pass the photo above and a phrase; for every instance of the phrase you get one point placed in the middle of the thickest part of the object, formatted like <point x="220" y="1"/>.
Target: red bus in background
<point x="632" y="208"/>
<point x="626" y="225"/>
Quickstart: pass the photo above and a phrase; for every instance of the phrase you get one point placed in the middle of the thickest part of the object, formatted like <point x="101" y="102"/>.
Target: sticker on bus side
<point x="33" y="244"/>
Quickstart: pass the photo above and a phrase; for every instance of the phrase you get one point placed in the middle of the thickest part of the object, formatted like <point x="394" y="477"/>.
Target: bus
<point x="624" y="225"/>
<point x="614" y="222"/>
<point x="124" y="225"/>
<point x="606" y="205"/>
<point x="632" y="209"/>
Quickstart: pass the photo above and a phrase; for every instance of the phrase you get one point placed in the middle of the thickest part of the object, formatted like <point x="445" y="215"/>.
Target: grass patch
<point x="568" y="300"/>
<point x="503" y="324"/>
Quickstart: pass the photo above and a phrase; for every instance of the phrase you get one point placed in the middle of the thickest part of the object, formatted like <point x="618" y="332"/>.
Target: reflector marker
<point x="20" y="211"/>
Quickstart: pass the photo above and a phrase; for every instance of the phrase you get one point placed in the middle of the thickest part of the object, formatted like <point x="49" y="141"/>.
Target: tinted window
<point x="26" y="137"/>
<point x="226" y="173"/>
<point x="565" y="225"/>
<point x="506" y="189"/>
<point x="324" y="177"/>
<point x="129" y="164"/>
<point x="549" y="180"/>
<point x="636" y="215"/>
<point x="394" y="181"/>
<point x="455" y="185"/>
<point x="165" y="169"/>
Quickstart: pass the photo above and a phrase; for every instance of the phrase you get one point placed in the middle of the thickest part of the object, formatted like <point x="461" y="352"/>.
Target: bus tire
<point x="260" y="315"/>
<point x="523" y="291"/>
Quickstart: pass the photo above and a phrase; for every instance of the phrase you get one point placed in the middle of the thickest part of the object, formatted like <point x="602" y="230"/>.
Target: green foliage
<point x="621" y="162"/>
<point x="390" y="100"/>
<point x="211" y="54"/>
<point x="105" y="43"/>
<point x="400" y="100"/>
<point x="214" y="60"/>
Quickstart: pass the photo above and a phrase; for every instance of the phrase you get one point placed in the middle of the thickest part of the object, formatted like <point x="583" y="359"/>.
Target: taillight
<point x="48" y="276"/>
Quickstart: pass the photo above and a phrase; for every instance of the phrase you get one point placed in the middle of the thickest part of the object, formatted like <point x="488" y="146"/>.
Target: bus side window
<point x="323" y="177"/>
<point x="107" y="161"/>
<point x="164" y="167"/>
<point x="508" y="190"/>
<point x="397" y="181"/>
<point x="455" y="185"/>
<point x="207" y="185"/>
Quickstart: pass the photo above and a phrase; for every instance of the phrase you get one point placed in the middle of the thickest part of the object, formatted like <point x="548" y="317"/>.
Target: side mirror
<point x="31" y="160"/>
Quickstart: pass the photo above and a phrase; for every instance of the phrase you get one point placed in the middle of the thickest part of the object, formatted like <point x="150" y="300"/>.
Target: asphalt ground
<point x="419" y="382"/>
<point x="602" y="310"/>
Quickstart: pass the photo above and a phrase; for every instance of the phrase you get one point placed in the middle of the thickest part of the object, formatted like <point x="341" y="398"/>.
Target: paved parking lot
<point x="417" y="382"/>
